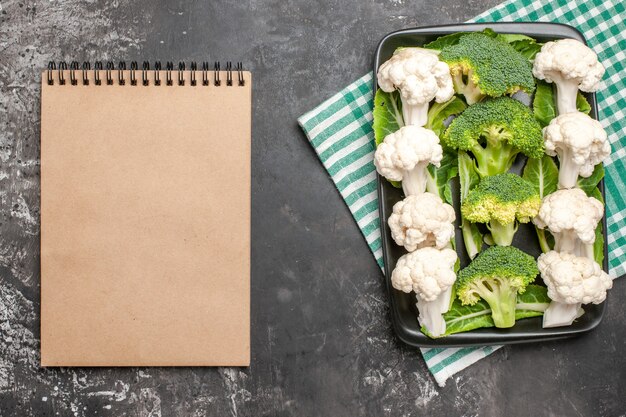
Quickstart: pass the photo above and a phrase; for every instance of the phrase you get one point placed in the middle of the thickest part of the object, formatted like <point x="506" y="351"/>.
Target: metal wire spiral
<point x="117" y="75"/>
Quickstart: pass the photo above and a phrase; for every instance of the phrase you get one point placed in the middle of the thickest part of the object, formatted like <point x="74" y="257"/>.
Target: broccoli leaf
<point x="588" y="185"/>
<point x="513" y="37"/>
<point x="544" y="103"/>
<point x="460" y="318"/>
<point x="453" y="38"/>
<point x="387" y="118"/>
<point x="439" y="113"/>
<point x="582" y="104"/>
<point x="490" y="32"/>
<point x="468" y="179"/>
<point x="544" y="176"/>
<point x="598" y="244"/>
<point x="438" y="181"/>
<point x="544" y="106"/>
<point x="387" y="114"/>
<point x="506" y="37"/>
<point x="443" y="41"/>
<point x="523" y="44"/>
<point x="526" y="314"/>
<point x="532" y="303"/>
<point x="597" y="194"/>
<point x="467" y="174"/>
<point x="527" y="47"/>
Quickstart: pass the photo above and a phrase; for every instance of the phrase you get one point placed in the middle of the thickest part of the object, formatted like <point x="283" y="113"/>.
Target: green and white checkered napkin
<point x="340" y="130"/>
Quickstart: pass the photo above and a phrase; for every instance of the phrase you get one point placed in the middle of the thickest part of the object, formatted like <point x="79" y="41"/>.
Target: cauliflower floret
<point x="571" y="65"/>
<point x="420" y="77"/>
<point x="422" y="220"/>
<point x="404" y="156"/>
<point x="430" y="273"/>
<point x="571" y="281"/>
<point x="579" y="141"/>
<point x="572" y="218"/>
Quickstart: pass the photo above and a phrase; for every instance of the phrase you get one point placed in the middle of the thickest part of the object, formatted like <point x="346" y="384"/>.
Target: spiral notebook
<point x="145" y="215"/>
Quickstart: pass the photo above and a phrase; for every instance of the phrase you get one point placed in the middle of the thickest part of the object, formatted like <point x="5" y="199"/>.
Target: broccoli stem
<point x="568" y="169"/>
<point x="559" y="314"/>
<point x="503" y="313"/>
<point x="502" y="234"/>
<point x="496" y="157"/>
<point x="414" y="114"/>
<point x="566" y="93"/>
<point x="502" y="298"/>
<point x="472" y="238"/>
<point x="414" y="180"/>
<point x="469" y="89"/>
<point x="543" y="241"/>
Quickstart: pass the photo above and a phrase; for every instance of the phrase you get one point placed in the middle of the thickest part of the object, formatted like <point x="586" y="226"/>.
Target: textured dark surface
<point x="321" y="337"/>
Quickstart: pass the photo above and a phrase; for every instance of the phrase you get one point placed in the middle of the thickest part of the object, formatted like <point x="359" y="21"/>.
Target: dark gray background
<point x="322" y="344"/>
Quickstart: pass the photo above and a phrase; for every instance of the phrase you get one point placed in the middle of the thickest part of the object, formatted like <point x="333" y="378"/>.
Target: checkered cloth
<point x="340" y="130"/>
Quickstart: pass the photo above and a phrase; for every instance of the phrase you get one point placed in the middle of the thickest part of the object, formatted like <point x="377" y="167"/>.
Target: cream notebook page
<point x="145" y="220"/>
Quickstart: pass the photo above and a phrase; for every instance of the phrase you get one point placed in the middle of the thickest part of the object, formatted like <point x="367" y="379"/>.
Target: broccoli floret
<point x="502" y="201"/>
<point x="495" y="131"/>
<point x="484" y="66"/>
<point x="497" y="275"/>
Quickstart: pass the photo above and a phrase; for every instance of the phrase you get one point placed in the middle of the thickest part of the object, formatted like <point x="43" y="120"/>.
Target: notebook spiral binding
<point x="113" y="74"/>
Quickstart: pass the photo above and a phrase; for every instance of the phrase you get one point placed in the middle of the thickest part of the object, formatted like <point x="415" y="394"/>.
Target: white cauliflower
<point x="571" y="281"/>
<point x="579" y="141"/>
<point x="422" y="220"/>
<point x="571" y="65"/>
<point x="420" y="77"/>
<point x="572" y="218"/>
<point x="430" y="273"/>
<point x="404" y="156"/>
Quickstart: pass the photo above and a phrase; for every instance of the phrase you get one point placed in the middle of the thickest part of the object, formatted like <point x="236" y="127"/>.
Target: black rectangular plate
<point x="403" y="309"/>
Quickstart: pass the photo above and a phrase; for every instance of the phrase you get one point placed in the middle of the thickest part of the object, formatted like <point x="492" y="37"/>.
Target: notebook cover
<point x="145" y="224"/>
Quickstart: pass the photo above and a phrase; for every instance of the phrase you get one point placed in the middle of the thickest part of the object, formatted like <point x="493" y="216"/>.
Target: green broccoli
<point x="481" y="66"/>
<point x="502" y="201"/>
<point x="495" y="131"/>
<point x="497" y="275"/>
